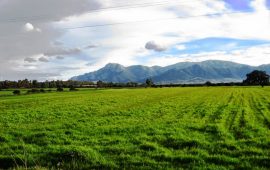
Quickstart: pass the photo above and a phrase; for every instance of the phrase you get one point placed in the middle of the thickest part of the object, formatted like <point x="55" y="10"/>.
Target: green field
<point x="165" y="128"/>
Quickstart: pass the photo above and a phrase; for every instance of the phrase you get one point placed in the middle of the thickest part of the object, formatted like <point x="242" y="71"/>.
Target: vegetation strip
<point x="152" y="128"/>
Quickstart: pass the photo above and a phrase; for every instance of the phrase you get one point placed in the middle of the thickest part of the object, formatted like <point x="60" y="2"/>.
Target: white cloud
<point x="38" y="29"/>
<point x="28" y="27"/>
<point x="254" y="56"/>
<point x="180" y="47"/>
<point x="123" y="43"/>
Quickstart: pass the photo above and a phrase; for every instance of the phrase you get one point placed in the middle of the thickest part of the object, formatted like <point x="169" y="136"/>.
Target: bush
<point x="42" y="90"/>
<point x="72" y="88"/>
<point x="33" y="91"/>
<point x="16" y="92"/>
<point x="60" y="89"/>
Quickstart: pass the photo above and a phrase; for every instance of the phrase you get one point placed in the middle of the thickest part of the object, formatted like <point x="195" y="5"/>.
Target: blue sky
<point x="268" y="3"/>
<point x="45" y="47"/>
<point x="216" y="44"/>
<point x="210" y="45"/>
<point x="239" y="4"/>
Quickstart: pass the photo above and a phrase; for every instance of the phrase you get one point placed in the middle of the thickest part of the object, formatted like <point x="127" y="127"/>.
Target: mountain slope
<point x="184" y="72"/>
<point x="118" y="73"/>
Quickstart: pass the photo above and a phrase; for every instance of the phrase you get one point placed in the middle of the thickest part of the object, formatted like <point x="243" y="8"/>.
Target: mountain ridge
<point x="182" y="72"/>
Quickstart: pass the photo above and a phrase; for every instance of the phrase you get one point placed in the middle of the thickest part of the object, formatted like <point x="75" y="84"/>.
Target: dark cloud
<point x="171" y="34"/>
<point x="59" y="57"/>
<point x="62" y="51"/>
<point x="90" y="46"/>
<point x="40" y="10"/>
<point x="27" y="29"/>
<point x="29" y="65"/>
<point x="152" y="45"/>
<point x="65" y="68"/>
<point x="43" y="59"/>
<point x="18" y="75"/>
<point x="90" y="64"/>
<point x="58" y="43"/>
<point x="30" y="60"/>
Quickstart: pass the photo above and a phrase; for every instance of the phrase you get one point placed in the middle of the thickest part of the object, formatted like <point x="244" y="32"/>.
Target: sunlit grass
<point x="168" y="128"/>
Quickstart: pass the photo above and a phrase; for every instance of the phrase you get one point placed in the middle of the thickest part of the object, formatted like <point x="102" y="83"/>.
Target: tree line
<point x="256" y="77"/>
<point x="46" y="84"/>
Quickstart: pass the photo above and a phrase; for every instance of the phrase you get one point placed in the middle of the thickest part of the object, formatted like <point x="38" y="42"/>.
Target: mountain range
<point x="183" y="72"/>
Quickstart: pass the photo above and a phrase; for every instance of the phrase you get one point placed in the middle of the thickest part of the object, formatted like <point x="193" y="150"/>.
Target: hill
<point x="183" y="72"/>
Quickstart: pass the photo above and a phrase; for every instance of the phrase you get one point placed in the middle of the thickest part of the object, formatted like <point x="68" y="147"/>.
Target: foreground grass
<point x="170" y="128"/>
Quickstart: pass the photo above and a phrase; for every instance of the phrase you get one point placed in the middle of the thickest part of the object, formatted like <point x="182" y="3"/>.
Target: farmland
<point x="163" y="128"/>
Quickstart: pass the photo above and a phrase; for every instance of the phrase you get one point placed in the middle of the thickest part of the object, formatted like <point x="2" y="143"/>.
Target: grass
<point x="168" y="128"/>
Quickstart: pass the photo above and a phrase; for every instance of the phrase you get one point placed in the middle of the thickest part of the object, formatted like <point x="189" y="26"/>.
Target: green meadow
<point x="162" y="128"/>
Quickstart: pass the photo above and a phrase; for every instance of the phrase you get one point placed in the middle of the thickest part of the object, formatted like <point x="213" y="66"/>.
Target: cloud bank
<point x="36" y="42"/>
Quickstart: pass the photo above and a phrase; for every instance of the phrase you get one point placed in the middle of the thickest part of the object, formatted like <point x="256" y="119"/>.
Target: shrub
<point x="72" y="88"/>
<point x="33" y="91"/>
<point x="42" y="90"/>
<point x="60" y="89"/>
<point x="16" y="92"/>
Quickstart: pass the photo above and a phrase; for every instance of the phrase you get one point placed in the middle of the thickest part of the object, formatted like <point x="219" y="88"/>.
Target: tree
<point x="25" y="83"/>
<point x="100" y="84"/>
<point x="208" y="83"/>
<point x="149" y="82"/>
<point x="52" y="84"/>
<point x="72" y="88"/>
<point x="33" y="91"/>
<point x="35" y="84"/>
<point x="257" y="77"/>
<point x="16" y="92"/>
<point x="59" y="89"/>
<point x="42" y="90"/>
<point x="132" y="84"/>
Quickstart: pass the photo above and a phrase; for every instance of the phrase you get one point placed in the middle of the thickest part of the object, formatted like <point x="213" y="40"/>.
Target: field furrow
<point x="166" y="128"/>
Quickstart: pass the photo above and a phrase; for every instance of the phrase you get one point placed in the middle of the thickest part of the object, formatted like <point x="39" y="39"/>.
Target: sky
<point x="49" y="40"/>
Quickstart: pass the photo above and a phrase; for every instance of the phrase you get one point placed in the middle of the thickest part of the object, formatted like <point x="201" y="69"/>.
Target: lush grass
<point x="9" y="92"/>
<point x="169" y="128"/>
